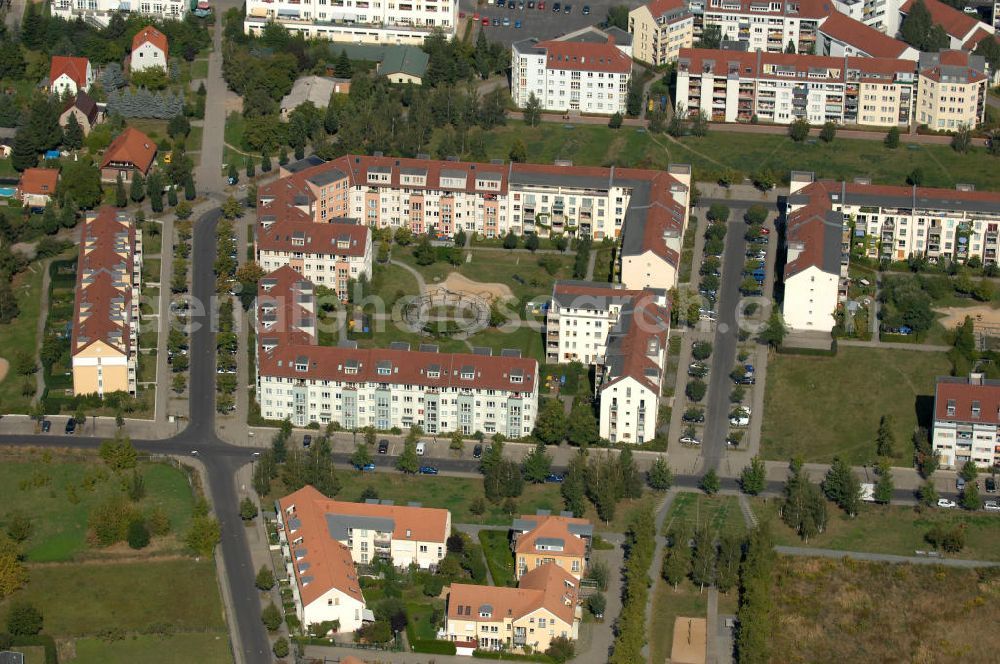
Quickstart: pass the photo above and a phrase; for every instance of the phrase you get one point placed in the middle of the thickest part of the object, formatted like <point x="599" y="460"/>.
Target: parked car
<point x="486" y="22"/>
<point x="367" y="468"/>
<point x="747" y="380"/>
<point x="541" y="6"/>
<point x="496" y="22"/>
<point x="477" y="451"/>
<point x="991" y="485"/>
<point x="690" y="440"/>
<point x="428" y="470"/>
<point x="307" y="440"/>
<point x="506" y="22"/>
<point x="517" y="25"/>
<point x="554" y="478"/>
<point x="991" y="506"/>
<point x="586" y="10"/>
<point x="556" y="8"/>
<point x="694" y="415"/>
<point x="46" y="426"/>
<point x="531" y="4"/>
<point x="960" y="483"/>
<point x="383" y="446"/>
<point x="944" y="502"/>
<point x="421" y="447"/>
<point x="71" y="426"/>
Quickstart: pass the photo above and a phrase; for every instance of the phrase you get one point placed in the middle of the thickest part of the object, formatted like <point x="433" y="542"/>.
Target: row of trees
<point x="698" y="555"/>
<point x="603" y="479"/>
<point x="631" y="627"/>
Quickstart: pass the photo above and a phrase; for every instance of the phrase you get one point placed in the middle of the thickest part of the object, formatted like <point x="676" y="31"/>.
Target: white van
<point x="420" y="448"/>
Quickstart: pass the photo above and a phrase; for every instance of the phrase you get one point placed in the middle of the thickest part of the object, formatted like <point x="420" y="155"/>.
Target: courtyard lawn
<point x="82" y="599"/>
<point x="419" y="615"/>
<point x="890" y="529"/>
<point x="820" y="407"/>
<point x="201" y="647"/>
<point x="58" y="495"/>
<point x="525" y="339"/>
<point x="452" y="493"/>
<point x="19" y="335"/>
<point x="499" y="557"/>
<point x="721" y="513"/>
<point x="668" y="604"/>
<point x="596" y="145"/>
<point x="851" y="611"/>
<point x="392" y="282"/>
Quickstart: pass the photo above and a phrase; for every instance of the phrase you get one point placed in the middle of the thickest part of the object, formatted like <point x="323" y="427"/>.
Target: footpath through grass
<point x="890" y="529"/>
<point x="820" y="407"/>
<point x="499" y="557"/>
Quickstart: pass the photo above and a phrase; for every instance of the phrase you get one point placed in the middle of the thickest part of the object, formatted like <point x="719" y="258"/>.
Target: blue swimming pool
<point x="7" y="192"/>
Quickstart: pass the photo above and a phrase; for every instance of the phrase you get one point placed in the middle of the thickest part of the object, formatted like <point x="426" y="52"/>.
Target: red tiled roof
<point x="865" y="38"/>
<point x="329" y="562"/>
<point x="956" y="23"/>
<point x="552" y="526"/>
<point x="955" y="59"/>
<point x="649" y="323"/>
<point x="797" y="8"/>
<point x="752" y="64"/>
<point x="978" y="36"/>
<point x="660" y="7"/>
<point x="132" y="147"/>
<point x="104" y="275"/>
<point x="585" y="56"/>
<point x="807" y="226"/>
<point x="963" y="394"/>
<point x="342" y="239"/>
<point x="75" y="68"/>
<point x="153" y="36"/>
<point x="292" y="322"/>
<point x="39" y="181"/>
<point x="547" y="586"/>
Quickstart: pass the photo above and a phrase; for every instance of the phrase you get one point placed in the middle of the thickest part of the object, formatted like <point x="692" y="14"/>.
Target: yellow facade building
<point x="545" y="538"/>
<point x="951" y="90"/>
<point x="104" y="342"/>
<point x="660" y="29"/>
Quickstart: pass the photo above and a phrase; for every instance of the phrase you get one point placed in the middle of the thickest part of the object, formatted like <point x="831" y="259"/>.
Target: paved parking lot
<point x="543" y="24"/>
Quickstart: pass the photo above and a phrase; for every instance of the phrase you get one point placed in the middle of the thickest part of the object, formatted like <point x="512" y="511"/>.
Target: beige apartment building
<point x="952" y="88"/>
<point x="659" y="30"/>
<point x="104" y="341"/>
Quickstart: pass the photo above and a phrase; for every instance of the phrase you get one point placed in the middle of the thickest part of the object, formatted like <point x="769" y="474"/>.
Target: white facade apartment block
<point x="883" y="15"/>
<point x="570" y="76"/>
<point x="810" y="298"/>
<point x="358" y="21"/>
<point x="967" y="421"/>
<point x="101" y="11"/>
<point x="628" y="412"/>
<point x="764" y="26"/>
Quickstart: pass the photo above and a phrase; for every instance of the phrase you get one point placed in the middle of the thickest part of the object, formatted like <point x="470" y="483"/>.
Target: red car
<point x="475" y="17"/>
<point x="486" y="21"/>
<point x="461" y="14"/>
<point x="541" y="6"/>
<point x="765" y="231"/>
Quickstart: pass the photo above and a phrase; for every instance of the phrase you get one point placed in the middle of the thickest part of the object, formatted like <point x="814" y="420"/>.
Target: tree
<point x="828" y="132"/>
<point x="915" y="177"/>
<point x="265" y="578"/>
<point x="24" y="619"/>
<point x="72" y="134"/>
<point x="892" y="138"/>
<point x="804" y="508"/>
<point x="121" y="196"/>
<point x="271" y="617"/>
<point x="927" y="493"/>
<point x="961" y="141"/>
<point x="13" y="574"/>
<point x="119" y="453"/>
<point x="790" y="47"/>
<point x="883" y="485"/>
<point x="532" y="113"/>
<point x="885" y="439"/>
<point x="753" y="478"/>
<point x="189" y="190"/>
<point x="618" y="17"/>
<point x="232" y="208"/>
<point x="660" y="477"/>
<point x="537" y="464"/>
<point x="248" y="509"/>
<point x="138" y="189"/>
<point x="677" y="561"/>
<point x="424" y="253"/>
<point x="510" y="240"/>
<point x="531" y="242"/>
<point x="280" y="647"/>
<point x="361" y="456"/>
<point x="919" y="30"/>
<point x="616" y="121"/>
<point x="138" y="534"/>
<point x="711" y="37"/>
<point x="596" y="604"/>
<point x="699" y="125"/>
<point x="518" y="151"/>
<point x="968" y="471"/>
<point x="775" y="331"/>
<point x="971" y="499"/>
<point x="136" y="487"/>
<point x="573" y="487"/>
<point x="727" y="564"/>
<point x="550" y="423"/>
<point x="24" y="152"/>
<point x="710" y="482"/>
<point x="561" y="649"/>
<point x="703" y="564"/>
<point x="798" y="131"/>
<point x="407" y="461"/>
<point x="203" y="535"/>
<point x="18" y="527"/>
<point x="843" y="487"/>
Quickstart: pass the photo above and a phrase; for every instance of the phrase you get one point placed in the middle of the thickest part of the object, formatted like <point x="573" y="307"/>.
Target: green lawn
<point x="19" y="335"/>
<point x="604" y="263"/>
<point x="157" y="130"/>
<point x="721" y="513"/>
<point x="199" y="69"/>
<point x="151" y="270"/>
<point x="499" y="557"/>
<point x="84" y="599"/>
<point x="668" y="604"/>
<point x="596" y="145"/>
<point x="420" y="627"/>
<point x="204" y="648"/>
<point x="391" y="282"/>
<point x="46" y="491"/>
<point x="890" y="529"/>
<point x="820" y="407"/>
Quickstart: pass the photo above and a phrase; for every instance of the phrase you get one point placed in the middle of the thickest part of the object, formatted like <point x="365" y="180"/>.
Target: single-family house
<point x="37" y="186"/>
<point x="69" y="75"/>
<point x="85" y="109"/>
<point x="131" y="152"/>
<point x="149" y="50"/>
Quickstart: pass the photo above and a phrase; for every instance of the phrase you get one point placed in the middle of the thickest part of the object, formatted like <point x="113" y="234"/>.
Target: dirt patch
<point x="4" y="368"/>
<point x="982" y="315"/>
<point x="457" y="284"/>
<point x="690" y="642"/>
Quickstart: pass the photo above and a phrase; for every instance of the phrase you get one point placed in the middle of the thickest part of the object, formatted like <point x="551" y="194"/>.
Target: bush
<point x="433" y="647"/>
<point x="265" y="578"/>
<point x="281" y="647"/>
<point x="23" y="619"/>
<point x="561" y="649"/>
<point x="271" y="617"/>
<point x="138" y="534"/>
<point x="433" y="586"/>
<point x="696" y="389"/>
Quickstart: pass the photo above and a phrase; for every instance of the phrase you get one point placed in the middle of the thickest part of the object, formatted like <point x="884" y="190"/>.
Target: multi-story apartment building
<point x="764" y="25"/>
<point x="545" y="605"/>
<point x="356" y="21"/>
<point x="660" y="29"/>
<point x="735" y="86"/>
<point x="101" y="11"/>
<point x="960" y="27"/>
<point x="329" y="254"/>
<point x="104" y="343"/>
<point x="574" y="73"/>
<point x="967" y="421"/>
<point x="817" y="242"/>
<point x="488" y="198"/>
<point x="840" y="34"/>
<point x="544" y="538"/>
<point x="582" y="314"/>
<point x="631" y="380"/>
<point x="380" y="387"/>
<point x="882" y="15"/>
<point x="952" y="89"/>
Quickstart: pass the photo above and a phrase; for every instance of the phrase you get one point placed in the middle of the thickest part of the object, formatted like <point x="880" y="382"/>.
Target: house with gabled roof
<point x="149" y="50"/>
<point x="37" y="186"/>
<point x="68" y="75"/>
<point x="131" y="152"/>
<point x="85" y="109"/>
<point x="560" y="539"/>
